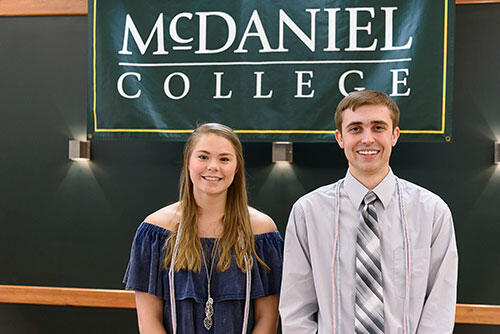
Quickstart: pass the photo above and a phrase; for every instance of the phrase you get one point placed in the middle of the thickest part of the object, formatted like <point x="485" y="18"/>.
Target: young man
<point x="371" y="253"/>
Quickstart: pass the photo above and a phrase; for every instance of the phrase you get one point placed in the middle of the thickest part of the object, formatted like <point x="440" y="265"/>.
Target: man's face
<point x="367" y="138"/>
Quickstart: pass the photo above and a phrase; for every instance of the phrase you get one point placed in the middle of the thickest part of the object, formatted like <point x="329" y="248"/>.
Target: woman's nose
<point x="212" y="164"/>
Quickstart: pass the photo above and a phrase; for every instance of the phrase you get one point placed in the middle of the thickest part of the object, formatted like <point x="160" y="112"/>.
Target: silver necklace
<point x="209" y="305"/>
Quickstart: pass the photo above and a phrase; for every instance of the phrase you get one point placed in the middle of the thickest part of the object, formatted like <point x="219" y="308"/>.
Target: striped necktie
<point x="369" y="293"/>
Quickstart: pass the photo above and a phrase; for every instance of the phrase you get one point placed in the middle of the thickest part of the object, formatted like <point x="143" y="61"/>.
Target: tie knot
<point x="370" y="197"/>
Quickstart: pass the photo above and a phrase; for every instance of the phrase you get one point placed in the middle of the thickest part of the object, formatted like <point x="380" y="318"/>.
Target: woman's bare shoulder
<point x="261" y="223"/>
<point x="167" y="217"/>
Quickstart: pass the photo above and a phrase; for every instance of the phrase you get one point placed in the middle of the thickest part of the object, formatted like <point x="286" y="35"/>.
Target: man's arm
<point x="298" y="302"/>
<point x="438" y="314"/>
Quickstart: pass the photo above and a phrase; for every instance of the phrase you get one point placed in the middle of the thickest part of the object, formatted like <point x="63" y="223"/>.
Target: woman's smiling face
<point x="212" y="165"/>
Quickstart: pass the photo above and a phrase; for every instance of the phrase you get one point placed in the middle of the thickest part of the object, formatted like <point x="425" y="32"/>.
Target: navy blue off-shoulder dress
<point x="145" y="273"/>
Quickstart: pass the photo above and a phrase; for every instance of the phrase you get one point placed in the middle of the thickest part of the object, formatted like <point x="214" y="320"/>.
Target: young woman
<point x="208" y="263"/>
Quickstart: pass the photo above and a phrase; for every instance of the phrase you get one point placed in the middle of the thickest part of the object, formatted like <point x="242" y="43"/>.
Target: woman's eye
<point x="202" y="157"/>
<point x="224" y="159"/>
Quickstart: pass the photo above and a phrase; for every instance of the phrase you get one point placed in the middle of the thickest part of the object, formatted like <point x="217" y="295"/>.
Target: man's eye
<point x="354" y="129"/>
<point x="380" y="128"/>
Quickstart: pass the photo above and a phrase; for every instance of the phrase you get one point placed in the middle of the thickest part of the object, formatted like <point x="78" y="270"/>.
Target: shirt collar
<point x="356" y="191"/>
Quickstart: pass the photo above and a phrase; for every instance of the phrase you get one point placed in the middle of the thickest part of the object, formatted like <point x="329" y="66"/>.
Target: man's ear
<point x="395" y="135"/>
<point x="338" y="137"/>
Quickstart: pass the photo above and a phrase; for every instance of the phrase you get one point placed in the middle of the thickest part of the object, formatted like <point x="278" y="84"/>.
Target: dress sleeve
<point x="144" y="271"/>
<point x="267" y="282"/>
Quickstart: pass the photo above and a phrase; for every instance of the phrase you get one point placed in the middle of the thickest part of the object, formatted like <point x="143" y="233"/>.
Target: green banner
<point x="271" y="70"/>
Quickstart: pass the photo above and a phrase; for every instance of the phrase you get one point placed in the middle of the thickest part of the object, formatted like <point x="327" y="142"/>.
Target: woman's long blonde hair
<point x="237" y="232"/>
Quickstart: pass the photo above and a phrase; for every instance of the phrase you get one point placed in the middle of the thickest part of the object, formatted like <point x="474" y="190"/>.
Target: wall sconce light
<point x="79" y="150"/>
<point x="496" y="158"/>
<point x="282" y="151"/>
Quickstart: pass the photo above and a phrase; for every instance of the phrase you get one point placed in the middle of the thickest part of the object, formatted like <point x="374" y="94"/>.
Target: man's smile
<point x="368" y="152"/>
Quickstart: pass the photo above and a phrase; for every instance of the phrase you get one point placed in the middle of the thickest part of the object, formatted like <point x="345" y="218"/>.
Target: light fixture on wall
<point x="282" y="151"/>
<point x="79" y="150"/>
<point x="496" y="158"/>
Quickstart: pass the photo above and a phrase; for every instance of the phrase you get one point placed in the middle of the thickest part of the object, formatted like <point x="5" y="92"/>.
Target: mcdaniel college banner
<point x="271" y="70"/>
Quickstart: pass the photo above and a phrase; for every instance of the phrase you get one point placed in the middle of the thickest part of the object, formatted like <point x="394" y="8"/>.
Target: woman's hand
<point x="149" y="313"/>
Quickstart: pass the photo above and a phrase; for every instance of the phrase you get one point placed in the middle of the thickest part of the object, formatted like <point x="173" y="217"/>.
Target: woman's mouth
<point x="211" y="178"/>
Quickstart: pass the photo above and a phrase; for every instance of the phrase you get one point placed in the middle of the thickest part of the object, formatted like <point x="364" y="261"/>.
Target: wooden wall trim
<point x="38" y="295"/>
<point x="19" y="294"/>
<point x="475" y="2"/>
<point x="43" y="7"/>
<point x="79" y="7"/>
<point x="478" y="314"/>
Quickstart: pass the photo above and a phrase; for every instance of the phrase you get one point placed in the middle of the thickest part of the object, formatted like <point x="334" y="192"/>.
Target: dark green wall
<point x="71" y="224"/>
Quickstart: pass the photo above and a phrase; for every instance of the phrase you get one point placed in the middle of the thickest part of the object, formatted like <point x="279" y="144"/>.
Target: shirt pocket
<point x="419" y="264"/>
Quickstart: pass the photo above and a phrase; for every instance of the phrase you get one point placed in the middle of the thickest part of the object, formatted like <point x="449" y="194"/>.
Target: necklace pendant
<point x="209" y="312"/>
<point x="207" y="322"/>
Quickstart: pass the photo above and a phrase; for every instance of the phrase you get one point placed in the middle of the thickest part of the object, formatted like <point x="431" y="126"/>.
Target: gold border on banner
<point x="443" y="114"/>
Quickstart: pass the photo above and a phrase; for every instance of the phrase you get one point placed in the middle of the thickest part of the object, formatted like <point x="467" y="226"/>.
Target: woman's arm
<point x="149" y="313"/>
<point x="266" y="315"/>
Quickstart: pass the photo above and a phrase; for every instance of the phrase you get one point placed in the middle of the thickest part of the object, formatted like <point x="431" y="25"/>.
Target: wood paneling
<point x="79" y="7"/>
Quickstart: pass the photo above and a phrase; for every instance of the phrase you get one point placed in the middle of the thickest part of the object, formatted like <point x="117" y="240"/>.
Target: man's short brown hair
<point x="366" y="97"/>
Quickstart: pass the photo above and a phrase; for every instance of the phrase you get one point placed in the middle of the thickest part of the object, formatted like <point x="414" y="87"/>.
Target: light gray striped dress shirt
<point x="306" y="293"/>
